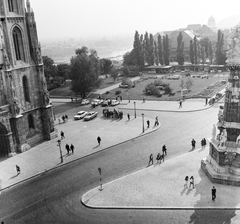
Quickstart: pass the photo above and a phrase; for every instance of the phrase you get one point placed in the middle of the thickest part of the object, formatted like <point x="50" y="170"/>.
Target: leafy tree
<point x="84" y="71"/>
<point x="160" y="50"/>
<point x="141" y="66"/>
<point x="195" y="50"/>
<point x="156" y="53"/>
<point x="126" y="72"/>
<point x="220" y="55"/>
<point x="210" y="52"/>
<point x="147" y="49"/>
<point x="189" y="84"/>
<point x="137" y="48"/>
<point x="203" y="54"/>
<point x="205" y="42"/>
<point x="106" y="65"/>
<point x="151" y="49"/>
<point x="191" y="52"/>
<point x="114" y="73"/>
<point x="180" y="48"/>
<point x="63" y="70"/>
<point x="50" y="70"/>
<point x="166" y="50"/>
<point x="182" y="84"/>
<point x="129" y="58"/>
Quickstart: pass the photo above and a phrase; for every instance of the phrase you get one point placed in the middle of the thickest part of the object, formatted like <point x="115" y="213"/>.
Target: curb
<point x="61" y="165"/>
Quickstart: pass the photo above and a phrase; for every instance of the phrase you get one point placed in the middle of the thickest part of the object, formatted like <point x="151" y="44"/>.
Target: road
<point x="55" y="196"/>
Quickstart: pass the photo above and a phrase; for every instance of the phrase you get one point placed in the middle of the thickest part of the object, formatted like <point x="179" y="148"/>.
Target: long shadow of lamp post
<point x="135" y="109"/>
<point x="59" y="145"/>
<point x="143" y="122"/>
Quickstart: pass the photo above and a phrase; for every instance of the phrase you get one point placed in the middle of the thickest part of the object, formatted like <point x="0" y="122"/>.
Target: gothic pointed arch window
<point x="25" y="89"/>
<point x="18" y="44"/>
<point x="31" y="122"/>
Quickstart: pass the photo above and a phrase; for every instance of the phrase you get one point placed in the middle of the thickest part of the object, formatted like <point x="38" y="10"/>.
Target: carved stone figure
<point x="16" y="107"/>
<point x="214" y="132"/>
<point x="46" y="98"/>
<point x="223" y="138"/>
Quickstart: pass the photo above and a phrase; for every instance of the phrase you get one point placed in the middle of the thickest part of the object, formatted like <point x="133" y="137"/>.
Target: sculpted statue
<point x="214" y="132"/>
<point x="223" y="138"/>
<point x="46" y="98"/>
<point x="16" y="107"/>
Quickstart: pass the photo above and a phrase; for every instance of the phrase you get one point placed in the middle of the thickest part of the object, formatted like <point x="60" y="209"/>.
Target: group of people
<point x="69" y="148"/>
<point x="203" y="143"/>
<point x="62" y="119"/>
<point x="160" y="157"/>
<point x="155" y="124"/>
<point x="191" y="180"/>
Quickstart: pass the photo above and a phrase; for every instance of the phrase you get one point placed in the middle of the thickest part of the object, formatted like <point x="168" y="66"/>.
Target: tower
<point x="223" y="162"/>
<point x="211" y="23"/>
<point x="25" y="110"/>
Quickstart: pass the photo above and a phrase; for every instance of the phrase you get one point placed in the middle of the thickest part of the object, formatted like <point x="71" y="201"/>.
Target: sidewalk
<point x="83" y="135"/>
<point x="162" y="186"/>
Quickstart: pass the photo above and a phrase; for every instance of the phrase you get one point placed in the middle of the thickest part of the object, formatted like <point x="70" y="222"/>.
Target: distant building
<point x="26" y="115"/>
<point x="194" y="27"/>
<point x="211" y="23"/>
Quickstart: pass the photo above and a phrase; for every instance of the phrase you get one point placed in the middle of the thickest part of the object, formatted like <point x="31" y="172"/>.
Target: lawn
<point x="136" y="93"/>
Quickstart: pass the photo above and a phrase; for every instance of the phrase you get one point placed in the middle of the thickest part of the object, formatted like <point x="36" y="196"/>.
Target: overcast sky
<point x="111" y="18"/>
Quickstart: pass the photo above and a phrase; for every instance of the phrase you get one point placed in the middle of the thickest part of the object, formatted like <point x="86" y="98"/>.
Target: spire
<point x="28" y="6"/>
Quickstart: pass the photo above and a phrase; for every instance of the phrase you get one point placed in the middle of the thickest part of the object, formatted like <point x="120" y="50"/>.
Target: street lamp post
<point x="59" y="145"/>
<point x="135" y="109"/>
<point x="143" y="122"/>
<point x="128" y="96"/>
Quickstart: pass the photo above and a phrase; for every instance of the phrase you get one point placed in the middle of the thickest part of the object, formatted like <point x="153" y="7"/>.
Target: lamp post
<point x="135" y="109"/>
<point x="143" y="121"/>
<point x="128" y="94"/>
<point x="59" y="145"/>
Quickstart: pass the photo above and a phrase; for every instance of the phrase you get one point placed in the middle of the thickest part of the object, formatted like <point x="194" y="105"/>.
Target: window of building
<point x="26" y="89"/>
<point x="13" y="6"/>
<point x="18" y="44"/>
<point x="30" y="122"/>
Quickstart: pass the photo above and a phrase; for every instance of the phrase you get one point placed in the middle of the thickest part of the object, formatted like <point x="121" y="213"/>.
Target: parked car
<point x="105" y="103"/>
<point x="90" y="115"/>
<point x="123" y="85"/>
<point x="80" y="115"/>
<point x="115" y="102"/>
<point x="96" y="102"/>
<point x="85" y="102"/>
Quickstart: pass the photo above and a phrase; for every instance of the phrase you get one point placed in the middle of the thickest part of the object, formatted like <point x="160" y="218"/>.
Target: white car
<point x="96" y="102"/>
<point x="85" y="102"/>
<point x="115" y="102"/>
<point x="90" y="115"/>
<point x="80" y="115"/>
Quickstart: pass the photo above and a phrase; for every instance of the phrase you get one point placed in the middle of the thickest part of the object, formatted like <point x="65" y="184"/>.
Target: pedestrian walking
<point x="180" y="103"/>
<point x="156" y="121"/>
<point x="72" y="148"/>
<point x="63" y="118"/>
<point x="162" y="157"/>
<point x="67" y="148"/>
<point x="193" y="144"/>
<point x="186" y="182"/>
<point x="59" y="119"/>
<point x="214" y="191"/>
<point x="148" y="123"/>
<point x="204" y="142"/>
<point x="150" y="159"/>
<point x="66" y="118"/>
<point x="62" y="135"/>
<point x="158" y="157"/>
<point x="128" y="116"/>
<point x="164" y="150"/>
<point x="206" y="101"/>
<point x="191" y="182"/>
<point x="99" y="140"/>
<point x="18" y="169"/>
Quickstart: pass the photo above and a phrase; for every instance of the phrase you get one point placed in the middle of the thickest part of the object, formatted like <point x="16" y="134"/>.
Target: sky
<point x="57" y="19"/>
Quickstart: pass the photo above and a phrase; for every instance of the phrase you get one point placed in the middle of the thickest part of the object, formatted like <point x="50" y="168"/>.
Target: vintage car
<point x="115" y="102"/>
<point x="80" y="115"/>
<point x="85" y="102"/>
<point x="90" y="115"/>
<point x="96" y="102"/>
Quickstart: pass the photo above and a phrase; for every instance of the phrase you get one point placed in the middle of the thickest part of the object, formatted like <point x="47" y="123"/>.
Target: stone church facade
<point x="26" y="116"/>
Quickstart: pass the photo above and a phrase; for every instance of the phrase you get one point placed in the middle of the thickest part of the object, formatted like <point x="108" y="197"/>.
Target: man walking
<point x="99" y="140"/>
<point x="150" y="159"/>
<point x="193" y="144"/>
<point x="164" y="150"/>
<point x="148" y="123"/>
<point x="156" y="121"/>
<point x="67" y="148"/>
<point x="128" y="116"/>
<point x="214" y="193"/>
<point x="18" y="169"/>
<point x="72" y="148"/>
<point x="62" y="135"/>
<point x="180" y="103"/>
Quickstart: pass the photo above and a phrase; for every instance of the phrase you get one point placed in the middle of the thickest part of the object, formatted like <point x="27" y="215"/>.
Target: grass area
<point x="137" y="93"/>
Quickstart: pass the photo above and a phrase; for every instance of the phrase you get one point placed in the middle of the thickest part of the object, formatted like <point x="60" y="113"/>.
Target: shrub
<point x="117" y="92"/>
<point x="107" y="92"/>
<point x="168" y="90"/>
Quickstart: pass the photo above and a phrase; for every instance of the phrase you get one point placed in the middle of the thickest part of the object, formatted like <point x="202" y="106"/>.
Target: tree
<point x="106" y="65"/>
<point x="220" y="55"/>
<point x="160" y="50"/>
<point x="180" y="48"/>
<point x="166" y="50"/>
<point x="126" y="72"/>
<point x="191" y="52"/>
<point x="210" y="52"/>
<point x="182" y="84"/>
<point x="147" y="49"/>
<point x="189" y="84"/>
<point x="63" y="70"/>
<point x="84" y="71"/>
<point x="50" y="70"/>
<point x="195" y="50"/>
<point x="205" y="42"/>
<point x="203" y="55"/>
<point x="137" y="49"/>
<point x="129" y="58"/>
<point x="156" y="53"/>
<point x="151" y="49"/>
<point x="114" y="73"/>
